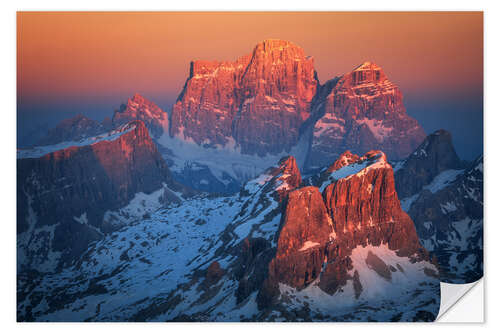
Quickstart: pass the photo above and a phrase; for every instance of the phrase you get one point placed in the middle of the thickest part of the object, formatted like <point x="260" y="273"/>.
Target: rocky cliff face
<point x="274" y="252"/>
<point x="444" y="197"/>
<point x="359" y="207"/>
<point x="449" y="221"/>
<point x="251" y="112"/>
<point x="435" y="155"/>
<point x="139" y="108"/>
<point x="64" y="194"/>
<point x="73" y="129"/>
<point x="302" y="239"/>
<point x="363" y="110"/>
<point x="257" y="103"/>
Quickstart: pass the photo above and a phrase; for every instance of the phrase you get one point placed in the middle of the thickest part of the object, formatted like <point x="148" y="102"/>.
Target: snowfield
<point x="44" y="150"/>
<point x="411" y="284"/>
<point x="154" y="268"/>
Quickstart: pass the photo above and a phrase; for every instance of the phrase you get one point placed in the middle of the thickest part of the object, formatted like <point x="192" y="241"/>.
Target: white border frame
<point x="8" y="137"/>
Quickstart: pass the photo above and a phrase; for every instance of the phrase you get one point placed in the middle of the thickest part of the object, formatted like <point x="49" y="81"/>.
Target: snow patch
<point x="37" y="152"/>
<point x="308" y="245"/>
<point x="379" y="131"/>
<point x="442" y="180"/>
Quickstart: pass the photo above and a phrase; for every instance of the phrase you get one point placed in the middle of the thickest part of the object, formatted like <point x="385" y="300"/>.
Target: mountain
<point x="435" y="155"/>
<point x="67" y="193"/>
<point x="140" y="108"/>
<point x="450" y="224"/>
<point x="444" y="197"/>
<point x="360" y="111"/>
<point x="265" y="105"/>
<point x="256" y="103"/>
<point x="247" y="113"/>
<point x="350" y="241"/>
<point x="276" y="251"/>
<point x="73" y="129"/>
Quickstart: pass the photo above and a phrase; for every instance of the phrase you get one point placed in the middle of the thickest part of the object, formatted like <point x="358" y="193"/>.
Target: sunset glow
<point x="95" y="61"/>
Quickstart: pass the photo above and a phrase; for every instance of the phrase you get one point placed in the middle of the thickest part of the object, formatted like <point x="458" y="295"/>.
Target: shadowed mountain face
<point x="435" y="155"/>
<point x="73" y="129"/>
<point x="63" y="194"/>
<point x="102" y="213"/>
<point x="444" y="197"/>
<point x="276" y="251"/>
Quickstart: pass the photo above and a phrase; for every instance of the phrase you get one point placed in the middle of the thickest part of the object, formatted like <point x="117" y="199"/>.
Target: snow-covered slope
<point x="39" y="151"/>
<point x="153" y="269"/>
<point x="70" y="194"/>
<point x="371" y="294"/>
<point x="206" y="258"/>
<point x="444" y="197"/>
<point x="225" y="168"/>
<point x="448" y="214"/>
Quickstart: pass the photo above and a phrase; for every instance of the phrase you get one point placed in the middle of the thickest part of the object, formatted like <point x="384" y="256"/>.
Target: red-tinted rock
<point x="90" y="180"/>
<point x="279" y="180"/>
<point x="345" y="159"/>
<point x="359" y="208"/>
<point x="214" y="273"/>
<point x="259" y="101"/>
<point x="306" y="230"/>
<point x="365" y="207"/>
<point x="139" y="108"/>
<point x="287" y="176"/>
<point x="364" y="111"/>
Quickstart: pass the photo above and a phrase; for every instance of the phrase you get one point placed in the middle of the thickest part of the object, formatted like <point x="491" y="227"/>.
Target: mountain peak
<point x="287" y="175"/>
<point x="379" y="118"/>
<point x="367" y="65"/>
<point x="288" y="163"/>
<point x="344" y="159"/>
<point x="140" y="108"/>
<point x="370" y="159"/>
<point x="434" y="155"/>
<point x="281" y="179"/>
<point x="367" y="72"/>
<point x="349" y="165"/>
<point x="272" y="43"/>
<point x="375" y="155"/>
<point x="224" y="100"/>
<point x="439" y="142"/>
<point x="358" y="208"/>
<point x="138" y="98"/>
<point x="280" y="51"/>
<point x="72" y="129"/>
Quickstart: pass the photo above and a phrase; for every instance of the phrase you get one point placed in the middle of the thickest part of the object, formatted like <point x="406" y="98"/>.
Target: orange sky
<point x="90" y="63"/>
<point x="93" y="54"/>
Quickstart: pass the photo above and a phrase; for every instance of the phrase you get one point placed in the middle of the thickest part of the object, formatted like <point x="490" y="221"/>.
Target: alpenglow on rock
<point x="139" y="108"/>
<point x="362" y="111"/>
<point x="251" y="112"/>
<point x="274" y="252"/>
<point x="65" y="192"/>
<point x="256" y="103"/>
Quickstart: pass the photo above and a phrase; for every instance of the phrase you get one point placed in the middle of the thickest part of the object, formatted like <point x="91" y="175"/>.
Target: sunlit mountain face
<point x="257" y="191"/>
